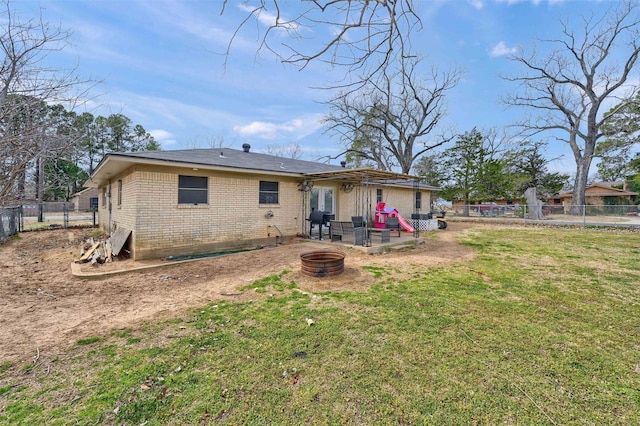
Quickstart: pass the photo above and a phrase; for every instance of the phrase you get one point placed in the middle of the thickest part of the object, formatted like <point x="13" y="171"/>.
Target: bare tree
<point x="388" y="121"/>
<point x="208" y="142"/>
<point x="362" y="35"/>
<point x="28" y="135"/>
<point x="28" y="90"/>
<point x="292" y="150"/>
<point x="568" y="88"/>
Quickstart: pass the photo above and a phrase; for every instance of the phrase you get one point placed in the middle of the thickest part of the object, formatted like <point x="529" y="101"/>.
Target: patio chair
<point x="393" y="224"/>
<point x="335" y="230"/>
<point x="344" y="231"/>
<point x="358" y="222"/>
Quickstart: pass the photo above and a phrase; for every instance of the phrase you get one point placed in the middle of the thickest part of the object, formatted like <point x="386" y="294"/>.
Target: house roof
<point x="228" y="159"/>
<point x="208" y="159"/>
<point x="601" y="189"/>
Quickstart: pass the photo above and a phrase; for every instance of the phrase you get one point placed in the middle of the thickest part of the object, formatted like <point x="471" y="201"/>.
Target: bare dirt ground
<point x="43" y="307"/>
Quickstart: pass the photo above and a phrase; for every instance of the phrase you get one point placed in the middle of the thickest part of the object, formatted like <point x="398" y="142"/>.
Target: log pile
<point x="96" y="252"/>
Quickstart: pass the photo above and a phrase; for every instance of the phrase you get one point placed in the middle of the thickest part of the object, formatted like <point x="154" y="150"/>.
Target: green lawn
<point x="542" y="328"/>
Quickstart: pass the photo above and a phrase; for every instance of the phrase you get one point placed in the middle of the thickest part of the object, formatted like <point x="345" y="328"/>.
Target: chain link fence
<point x="623" y="215"/>
<point x="48" y="215"/>
<point x="10" y="222"/>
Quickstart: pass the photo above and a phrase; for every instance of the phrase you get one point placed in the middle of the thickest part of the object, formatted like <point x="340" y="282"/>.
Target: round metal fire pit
<point x="322" y="263"/>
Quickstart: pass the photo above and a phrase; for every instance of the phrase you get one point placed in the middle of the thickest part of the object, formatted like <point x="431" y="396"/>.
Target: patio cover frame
<point x="364" y="178"/>
<point x="361" y="175"/>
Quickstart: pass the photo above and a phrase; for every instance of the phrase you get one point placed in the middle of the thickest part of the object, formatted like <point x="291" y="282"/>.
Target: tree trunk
<point x="583" y="163"/>
<point x="535" y="205"/>
<point x="22" y="184"/>
<point x="465" y="205"/>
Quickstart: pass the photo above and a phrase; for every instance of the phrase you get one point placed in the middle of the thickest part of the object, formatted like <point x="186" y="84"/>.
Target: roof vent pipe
<point x="343" y="163"/>
<point x="246" y="147"/>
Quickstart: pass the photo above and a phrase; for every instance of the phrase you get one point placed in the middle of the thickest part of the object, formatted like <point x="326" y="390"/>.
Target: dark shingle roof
<point x="227" y="157"/>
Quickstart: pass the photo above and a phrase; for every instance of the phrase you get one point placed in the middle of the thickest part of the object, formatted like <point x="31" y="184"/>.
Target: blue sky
<point x="161" y="63"/>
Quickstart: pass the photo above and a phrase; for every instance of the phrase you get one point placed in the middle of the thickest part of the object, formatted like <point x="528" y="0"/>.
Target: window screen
<point x="378" y="195"/>
<point x="192" y="190"/>
<point x="418" y="200"/>
<point x="268" y="192"/>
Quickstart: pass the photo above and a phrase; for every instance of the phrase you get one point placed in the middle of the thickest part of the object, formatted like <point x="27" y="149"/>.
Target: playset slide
<point x="405" y="225"/>
<point x="382" y="213"/>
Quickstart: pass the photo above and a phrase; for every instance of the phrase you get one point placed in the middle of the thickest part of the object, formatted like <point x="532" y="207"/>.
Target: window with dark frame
<point x="193" y="190"/>
<point x="378" y="195"/>
<point x="119" y="192"/>
<point x="268" y="192"/>
<point x="418" y="200"/>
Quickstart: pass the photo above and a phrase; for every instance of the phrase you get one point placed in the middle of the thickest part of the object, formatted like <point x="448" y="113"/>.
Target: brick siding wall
<point x="232" y="218"/>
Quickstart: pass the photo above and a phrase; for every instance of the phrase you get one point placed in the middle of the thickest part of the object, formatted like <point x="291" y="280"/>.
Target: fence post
<point x="13" y="223"/>
<point x="2" y="210"/>
<point x="40" y="212"/>
<point x="65" y="215"/>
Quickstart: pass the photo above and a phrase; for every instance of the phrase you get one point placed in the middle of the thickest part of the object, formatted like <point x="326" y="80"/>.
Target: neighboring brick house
<point x="596" y="194"/>
<point x="205" y="200"/>
<point x="85" y="200"/>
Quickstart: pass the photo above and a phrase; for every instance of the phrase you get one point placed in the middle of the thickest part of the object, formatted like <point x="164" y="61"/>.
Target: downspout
<point x="109" y="204"/>
<point x="416" y="207"/>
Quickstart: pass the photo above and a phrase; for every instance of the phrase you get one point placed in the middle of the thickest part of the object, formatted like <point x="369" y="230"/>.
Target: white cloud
<point x="478" y="4"/>
<point x="258" y="128"/>
<point x="297" y="128"/>
<point x="163" y="137"/>
<point x="180" y="17"/>
<point x="501" y="49"/>
<point x="175" y="122"/>
<point x="268" y="19"/>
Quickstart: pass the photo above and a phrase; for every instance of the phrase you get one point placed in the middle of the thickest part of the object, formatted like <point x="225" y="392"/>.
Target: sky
<point x="162" y="63"/>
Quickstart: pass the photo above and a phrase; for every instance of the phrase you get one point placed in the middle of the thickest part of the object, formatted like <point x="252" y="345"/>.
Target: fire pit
<point x="322" y="263"/>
